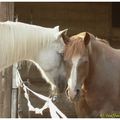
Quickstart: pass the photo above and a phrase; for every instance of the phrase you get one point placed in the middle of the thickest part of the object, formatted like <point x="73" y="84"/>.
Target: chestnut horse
<point x="93" y="73"/>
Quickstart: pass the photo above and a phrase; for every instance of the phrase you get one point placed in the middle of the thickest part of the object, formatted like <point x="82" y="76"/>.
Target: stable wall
<point x="78" y="17"/>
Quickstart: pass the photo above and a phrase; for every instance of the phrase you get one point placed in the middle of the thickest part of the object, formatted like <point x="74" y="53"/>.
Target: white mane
<point x="20" y="41"/>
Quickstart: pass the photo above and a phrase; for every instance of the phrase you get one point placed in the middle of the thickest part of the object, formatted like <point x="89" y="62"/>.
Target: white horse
<point x="20" y="41"/>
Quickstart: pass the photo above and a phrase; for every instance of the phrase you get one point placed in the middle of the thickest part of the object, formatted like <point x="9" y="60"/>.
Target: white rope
<point x="54" y="111"/>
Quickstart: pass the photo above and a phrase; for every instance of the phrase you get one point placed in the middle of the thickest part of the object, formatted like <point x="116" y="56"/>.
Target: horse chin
<point x="76" y="98"/>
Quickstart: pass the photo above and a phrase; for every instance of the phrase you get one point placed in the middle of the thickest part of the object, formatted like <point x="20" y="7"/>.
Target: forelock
<point x="74" y="48"/>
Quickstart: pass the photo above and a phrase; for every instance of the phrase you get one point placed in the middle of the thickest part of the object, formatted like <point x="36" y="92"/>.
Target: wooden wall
<point x="6" y="11"/>
<point x="78" y="17"/>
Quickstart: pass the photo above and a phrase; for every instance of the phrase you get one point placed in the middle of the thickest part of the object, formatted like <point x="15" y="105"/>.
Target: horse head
<point x="77" y="63"/>
<point x="55" y="67"/>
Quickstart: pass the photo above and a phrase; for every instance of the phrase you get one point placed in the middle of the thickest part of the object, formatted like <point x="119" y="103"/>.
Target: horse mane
<point x="103" y="40"/>
<point x="19" y="41"/>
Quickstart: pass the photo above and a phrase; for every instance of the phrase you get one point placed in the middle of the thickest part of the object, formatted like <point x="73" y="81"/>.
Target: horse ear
<point x="87" y="38"/>
<point x="56" y="28"/>
<point x="61" y="33"/>
<point x="65" y="38"/>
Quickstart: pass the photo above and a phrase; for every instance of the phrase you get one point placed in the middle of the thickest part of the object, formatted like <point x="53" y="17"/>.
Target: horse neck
<point x="22" y="42"/>
<point x="98" y="56"/>
<point x="97" y="51"/>
<point x="103" y="69"/>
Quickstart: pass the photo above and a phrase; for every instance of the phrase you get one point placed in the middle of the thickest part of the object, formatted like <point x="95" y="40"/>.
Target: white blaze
<point x="73" y="76"/>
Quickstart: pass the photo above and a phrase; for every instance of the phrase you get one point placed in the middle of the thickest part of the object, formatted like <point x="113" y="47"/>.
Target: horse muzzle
<point x="73" y="95"/>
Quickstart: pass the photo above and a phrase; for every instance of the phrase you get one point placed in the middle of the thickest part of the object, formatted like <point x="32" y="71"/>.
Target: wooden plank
<point x="14" y="101"/>
<point x="1" y="94"/>
<point x="6" y="13"/>
<point x="80" y="16"/>
<point x="7" y="93"/>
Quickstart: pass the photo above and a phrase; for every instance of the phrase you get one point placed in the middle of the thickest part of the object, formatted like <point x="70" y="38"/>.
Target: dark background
<point x="100" y="18"/>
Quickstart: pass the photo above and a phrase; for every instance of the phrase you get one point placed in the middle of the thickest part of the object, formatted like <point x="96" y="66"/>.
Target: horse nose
<point x="78" y="91"/>
<point x="66" y="92"/>
<point x="71" y="93"/>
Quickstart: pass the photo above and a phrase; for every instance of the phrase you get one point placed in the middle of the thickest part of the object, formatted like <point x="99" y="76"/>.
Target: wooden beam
<point x="7" y="93"/>
<point x="14" y="101"/>
<point x="6" y="13"/>
<point x="1" y="97"/>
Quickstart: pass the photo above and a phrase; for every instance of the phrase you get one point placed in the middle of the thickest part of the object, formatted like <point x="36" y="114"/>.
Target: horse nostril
<point x="66" y="92"/>
<point x="78" y="91"/>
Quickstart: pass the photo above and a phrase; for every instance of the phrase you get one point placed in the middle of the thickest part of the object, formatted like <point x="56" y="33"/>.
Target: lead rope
<point x="54" y="111"/>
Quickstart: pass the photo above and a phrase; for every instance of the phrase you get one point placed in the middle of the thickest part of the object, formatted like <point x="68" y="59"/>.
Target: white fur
<point x="73" y="76"/>
<point x="20" y="41"/>
<point x="49" y="60"/>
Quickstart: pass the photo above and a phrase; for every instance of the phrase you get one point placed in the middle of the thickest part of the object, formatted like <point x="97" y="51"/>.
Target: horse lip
<point x="76" y="97"/>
